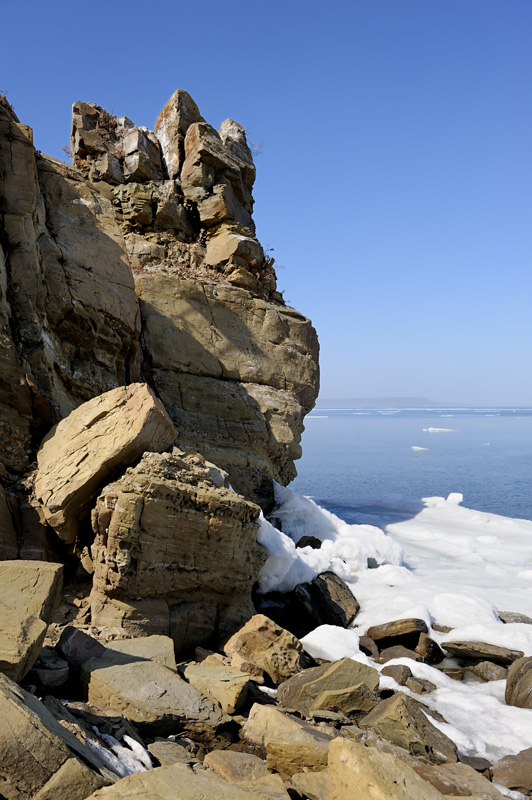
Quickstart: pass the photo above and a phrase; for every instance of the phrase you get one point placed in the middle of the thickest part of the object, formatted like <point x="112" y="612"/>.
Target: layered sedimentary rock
<point x="139" y="266"/>
<point x="70" y="315"/>
<point x="148" y="233"/>
<point x="235" y="372"/>
<point x="175" y="551"/>
<point x="235" y="368"/>
<point x="87" y="448"/>
<point x="29" y="593"/>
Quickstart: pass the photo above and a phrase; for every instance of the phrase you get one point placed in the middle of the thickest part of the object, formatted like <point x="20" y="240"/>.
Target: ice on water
<point x="438" y="561"/>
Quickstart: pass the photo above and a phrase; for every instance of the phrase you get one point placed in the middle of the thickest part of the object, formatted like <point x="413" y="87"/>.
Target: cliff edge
<point x="140" y="262"/>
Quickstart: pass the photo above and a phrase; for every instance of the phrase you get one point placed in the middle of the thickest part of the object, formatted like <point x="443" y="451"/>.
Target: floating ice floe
<point x="440" y="430"/>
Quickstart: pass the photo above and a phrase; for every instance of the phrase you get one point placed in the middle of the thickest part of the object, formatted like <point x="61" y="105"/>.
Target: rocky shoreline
<point x="154" y="385"/>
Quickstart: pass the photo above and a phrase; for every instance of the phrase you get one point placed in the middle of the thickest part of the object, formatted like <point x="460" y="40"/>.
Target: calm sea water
<point x="355" y="457"/>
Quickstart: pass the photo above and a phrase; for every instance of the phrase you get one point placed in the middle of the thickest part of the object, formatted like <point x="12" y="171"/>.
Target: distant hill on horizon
<point x="397" y="402"/>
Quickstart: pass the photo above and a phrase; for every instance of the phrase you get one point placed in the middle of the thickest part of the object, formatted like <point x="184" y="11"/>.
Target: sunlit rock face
<point x="141" y="262"/>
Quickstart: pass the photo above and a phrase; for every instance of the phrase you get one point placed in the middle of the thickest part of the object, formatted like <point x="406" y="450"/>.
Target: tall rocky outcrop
<point x="141" y="262"/>
<point x="138" y="313"/>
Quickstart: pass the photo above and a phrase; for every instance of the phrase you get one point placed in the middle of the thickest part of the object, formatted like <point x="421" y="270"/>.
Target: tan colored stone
<point x="484" y="651"/>
<point x="344" y="685"/>
<point x="251" y="430"/>
<point x="171" y="127"/>
<point x="458" y="780"/>
<point x="21" y="638"/>
<point x="142" y="156"/>
<point x="400" y="720"/>
<point x="166" y="532"/>
<point x="398" y="633"/>
<point x="375" y="775"/>
<point x="249" y="422"/>
<point x="399" y="627"/>
<point x="392" y="749"/>
<point x="71" y="298"/>
<point x="152" y="648"/>
<point x="151" y="696"/>
<point x="226" y="244"/>
<point x="399" y="672"/>
<point x="225" y="685"/>
<point x="33" y="587"/>
<point x="180" y="782"/>
<point x="87" y="321"/>
<point x="167" y="752"/>
<point x="263" y="643"/>
<point x="235" y="767"/>
<point x="514" y="772"/>
<point x="488" y="671"/>
<point x="429" y="649"/>
<point x="87" y="447"/>
<point x="29" y="593"/>
<point x="519" y="683"/>
<point x="291" y="744"/>
<point x="136" y="204"/>
<point x="419" y="685"/>
<point x="313" y="785"/>
<point x="211" y="160"/>
<point x="73" y="780"/>
<point x="268" y="787"/>
<point x="398" y="651"/>
<point x="36" y="754"/>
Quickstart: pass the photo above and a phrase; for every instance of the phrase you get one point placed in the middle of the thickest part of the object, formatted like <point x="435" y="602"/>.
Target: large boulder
<point x="344" y="685"/>
<point x="519" y="683"/>
<point x="180" y="782"/>
<point x="262" y="646"/>
<point x="179" y="113"/>
<point x="150" y="695"/>
<point x="91" y="445"/>
<point x="225" y="685"/>
<point x="375" y="775"/>
<point x="29" y="593"/>
<point x="514" y="772"/>
<point x="175" y="552"/>
<point x="401" y="720"/>
<point x="458" y="779"/>
<point x="292" y="745"/>
<point x="39" y="759"/>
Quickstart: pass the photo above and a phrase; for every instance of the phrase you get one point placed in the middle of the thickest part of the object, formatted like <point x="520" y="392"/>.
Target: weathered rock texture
<point x="29" y="592"/>
<point x="87" y="448"/>
<point x="261" y="646"/>
<point x="175" y="552"/>
<point x="70" y="317"/>
<point x="235" y="368"/>
<point x="38" y="757"/>
<point x="142" y="259"/>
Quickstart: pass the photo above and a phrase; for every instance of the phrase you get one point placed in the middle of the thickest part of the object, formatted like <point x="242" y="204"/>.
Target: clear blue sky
<point x="395" y="177"/>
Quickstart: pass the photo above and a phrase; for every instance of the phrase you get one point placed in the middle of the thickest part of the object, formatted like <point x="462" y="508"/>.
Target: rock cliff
<point x="139" y="313"/>
<point x="141" y="262"/>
